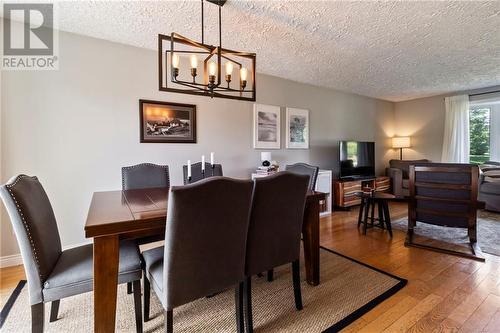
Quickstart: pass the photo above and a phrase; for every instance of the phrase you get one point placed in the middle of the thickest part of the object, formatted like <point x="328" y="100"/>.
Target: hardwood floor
<point x="444" y="294"/>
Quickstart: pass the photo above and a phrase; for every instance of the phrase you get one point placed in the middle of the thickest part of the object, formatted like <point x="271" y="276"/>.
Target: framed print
<point x="297" y="128"/>
<point x="266" y="126"/>
<point x="165" y="122"/>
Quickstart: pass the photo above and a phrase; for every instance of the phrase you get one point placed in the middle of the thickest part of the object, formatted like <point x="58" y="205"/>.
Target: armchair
<point x="489" y="185"/>
<point x="398" y="171"/>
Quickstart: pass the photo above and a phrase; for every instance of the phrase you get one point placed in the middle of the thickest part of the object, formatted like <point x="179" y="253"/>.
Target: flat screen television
<point x="357" y="159"/>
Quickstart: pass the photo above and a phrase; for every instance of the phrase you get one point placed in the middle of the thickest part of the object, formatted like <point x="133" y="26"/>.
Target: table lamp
<point x="401" y="142"/>
<point x="265" y="158"/>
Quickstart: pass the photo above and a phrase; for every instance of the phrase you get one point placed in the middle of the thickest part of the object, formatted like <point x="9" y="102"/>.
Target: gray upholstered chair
<point x="444" y="194"/>
<point x="489" y="186"/>
<point x="399" y="172"/>
<point x="274" y="231"/>
<point x="197" y="175"/>
<point x="52" y="273"/>
<point x="305" y="169"/>
<point x="205" y="239"/>
<point x="145" y="175"/>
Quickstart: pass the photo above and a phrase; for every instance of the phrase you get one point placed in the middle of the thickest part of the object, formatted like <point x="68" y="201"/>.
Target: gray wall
<point x="76" y="127"/>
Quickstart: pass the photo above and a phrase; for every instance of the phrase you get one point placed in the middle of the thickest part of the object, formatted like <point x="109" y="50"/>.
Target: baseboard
<point x="13" y="260"/>
<point x="16" y="259"/>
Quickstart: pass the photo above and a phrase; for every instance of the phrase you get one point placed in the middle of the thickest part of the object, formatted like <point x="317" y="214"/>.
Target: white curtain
<point x="456" y="140"/>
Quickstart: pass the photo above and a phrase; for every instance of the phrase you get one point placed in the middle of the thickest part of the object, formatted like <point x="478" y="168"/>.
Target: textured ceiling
<point x="389" y="50"/>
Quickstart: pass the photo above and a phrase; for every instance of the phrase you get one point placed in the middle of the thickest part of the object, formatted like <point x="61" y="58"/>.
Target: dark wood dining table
<point x="130" y="214"/>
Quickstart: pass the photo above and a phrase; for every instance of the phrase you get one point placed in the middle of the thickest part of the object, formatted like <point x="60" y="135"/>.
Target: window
<point x="479" y="128"/>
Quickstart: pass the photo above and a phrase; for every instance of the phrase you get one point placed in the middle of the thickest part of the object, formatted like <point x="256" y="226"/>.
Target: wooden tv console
<point x="345" y="190"/>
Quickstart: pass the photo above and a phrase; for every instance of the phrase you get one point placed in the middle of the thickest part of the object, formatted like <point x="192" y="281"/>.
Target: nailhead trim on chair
<point x="144" y="164"/>
<point x="25" y="223"/>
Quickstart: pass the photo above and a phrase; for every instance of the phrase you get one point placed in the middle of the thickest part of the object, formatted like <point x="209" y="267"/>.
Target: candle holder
<point x="243" y="84"/>
<point x="203" y="173"/>
<point x="175" y="72"/>
<point x="189" y="180"/>
<point x="213" y="169"/>
<point x="228" y="79"/>
<point x="194" y="72"/>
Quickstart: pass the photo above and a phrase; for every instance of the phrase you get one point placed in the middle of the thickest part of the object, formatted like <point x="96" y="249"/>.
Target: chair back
<point x="276" y="221"/>
<point x="305" y="169"/>
<point x="145" y="175"/>
<point x="205" y="238"/>
<point x="443" y="194"/>
<point x="35" y="228"/>
<point x="197" y="175"/>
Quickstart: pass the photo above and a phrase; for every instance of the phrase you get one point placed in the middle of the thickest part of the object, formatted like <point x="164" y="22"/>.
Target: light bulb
<point x="212" y="68"/>
<point x="175" y="61"/>
<point x="243" y="74"/>
<point x="229" y="68"/>
<point x="194" y="61"/>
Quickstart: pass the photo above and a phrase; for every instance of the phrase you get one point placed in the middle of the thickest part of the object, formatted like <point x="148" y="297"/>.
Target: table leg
<point x="365" y="219"/>
<point x="310" y="231"/>
<point x="106" y="252"/>
<point x="361" y="207"/>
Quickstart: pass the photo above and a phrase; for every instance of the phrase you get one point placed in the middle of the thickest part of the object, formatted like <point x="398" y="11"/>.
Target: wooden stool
<point x="368" y="201"/>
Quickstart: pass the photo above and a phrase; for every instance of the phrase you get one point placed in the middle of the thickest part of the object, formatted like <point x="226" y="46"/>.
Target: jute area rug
<point x="348" y="289"/>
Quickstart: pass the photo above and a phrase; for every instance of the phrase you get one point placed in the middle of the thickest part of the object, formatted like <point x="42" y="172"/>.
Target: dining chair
<point x="204" y="252"/>
<point x="53" y="273"/>
<point x="197" y="175"/>
<point x="305" y="169"/>
<point x="274" y="231"/>
<point x="145" y="175"/>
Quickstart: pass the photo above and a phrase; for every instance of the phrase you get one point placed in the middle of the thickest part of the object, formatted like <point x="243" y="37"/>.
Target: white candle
<point x="189" y="168"/>
<point x="203" y="163"/>
<point x="212" y="158"/>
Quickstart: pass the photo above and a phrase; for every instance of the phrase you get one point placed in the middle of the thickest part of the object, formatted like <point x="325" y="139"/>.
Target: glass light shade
<point x="243" y="74"/>
<point x="212" y="68"/>
<point x="401" y="142"/>
<point x="194" y="61"/>
<point x="265" y="156"/>
<point x="175" y="61"/>
<point x="229" y="68"/>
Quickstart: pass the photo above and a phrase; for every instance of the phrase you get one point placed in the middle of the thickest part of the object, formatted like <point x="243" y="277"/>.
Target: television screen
<point x="357" y="159"/>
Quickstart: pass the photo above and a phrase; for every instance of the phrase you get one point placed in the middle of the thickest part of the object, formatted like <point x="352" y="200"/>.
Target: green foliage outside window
<point x="479" y="135"/>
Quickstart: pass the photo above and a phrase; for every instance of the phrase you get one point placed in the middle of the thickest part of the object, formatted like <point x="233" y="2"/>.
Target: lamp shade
<point x="401" y="142"/>
<point x="265" y="156"/>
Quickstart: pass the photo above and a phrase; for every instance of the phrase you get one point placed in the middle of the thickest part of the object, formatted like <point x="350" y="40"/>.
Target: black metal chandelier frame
<point x="210" y="86"/>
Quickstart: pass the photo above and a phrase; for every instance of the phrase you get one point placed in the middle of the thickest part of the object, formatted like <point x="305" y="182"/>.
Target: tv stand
<point x="345" y="189"/>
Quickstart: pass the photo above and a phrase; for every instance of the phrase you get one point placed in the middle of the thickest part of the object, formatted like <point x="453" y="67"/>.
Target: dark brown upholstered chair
<point x="52" y="273"/>
<point x="274" y="231"/>
<point x="197" y="175"/>
<point x="145" y="175"/>
<point x="205" y="243"/>
<point x="305" y="169"/>
<point x="399" y="172"/>
<point x="444" y="194"/>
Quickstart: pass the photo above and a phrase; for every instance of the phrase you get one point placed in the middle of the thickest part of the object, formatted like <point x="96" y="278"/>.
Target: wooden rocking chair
<point x="444" y="195"/>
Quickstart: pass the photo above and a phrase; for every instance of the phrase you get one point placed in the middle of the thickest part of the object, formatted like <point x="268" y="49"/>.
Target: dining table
<point x="130" y="214"/>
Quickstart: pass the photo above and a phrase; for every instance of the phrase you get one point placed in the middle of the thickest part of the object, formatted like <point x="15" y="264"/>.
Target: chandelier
<point x="189" y="67"/>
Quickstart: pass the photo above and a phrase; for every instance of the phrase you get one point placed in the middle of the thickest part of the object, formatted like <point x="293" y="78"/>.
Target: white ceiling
<point x="390" y="50"/>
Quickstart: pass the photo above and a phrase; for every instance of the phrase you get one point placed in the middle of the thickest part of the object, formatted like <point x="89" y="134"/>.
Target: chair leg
<point x="361" y="208"/>
<point x="37" y="318"/>
<point x="270" y="275"/>
<point x="238" y="303"/>
<point x="296" y="284"/>
<point x="54" y="310"/>
<point x="365" y="217"/>
<point x="137" y="305"/>
<point x="147" y="297"/>
<point x="247" y="299"/>
<point x="129" y="288"/>
<point x="387" y="218"/>
<point x="169" y="321"/>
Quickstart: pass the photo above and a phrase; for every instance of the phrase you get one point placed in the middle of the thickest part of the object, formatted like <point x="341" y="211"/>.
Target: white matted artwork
<point x="297" y="128"/>
<point x="266" y="126"/>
